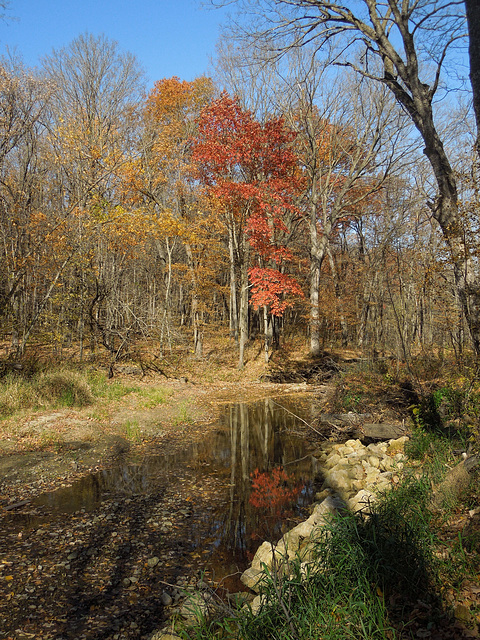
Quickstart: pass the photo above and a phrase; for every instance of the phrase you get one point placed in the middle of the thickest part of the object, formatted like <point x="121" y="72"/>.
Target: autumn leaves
<point x="128" y="217"/>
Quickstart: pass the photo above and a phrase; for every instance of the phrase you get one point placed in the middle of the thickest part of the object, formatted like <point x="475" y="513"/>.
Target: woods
<point x="333" y="203"/>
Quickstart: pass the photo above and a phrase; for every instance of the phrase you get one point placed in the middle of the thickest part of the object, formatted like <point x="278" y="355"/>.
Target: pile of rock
<point x="353" y="476"/>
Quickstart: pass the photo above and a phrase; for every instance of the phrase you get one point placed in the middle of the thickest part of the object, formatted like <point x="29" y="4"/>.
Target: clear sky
<point x="169" y="37"/>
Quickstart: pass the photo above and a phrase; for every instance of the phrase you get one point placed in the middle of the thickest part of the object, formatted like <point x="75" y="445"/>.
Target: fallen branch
<point x="301" y="419"/>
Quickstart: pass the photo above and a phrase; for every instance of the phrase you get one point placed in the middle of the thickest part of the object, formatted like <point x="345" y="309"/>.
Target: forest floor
<point x="95" y="578"/>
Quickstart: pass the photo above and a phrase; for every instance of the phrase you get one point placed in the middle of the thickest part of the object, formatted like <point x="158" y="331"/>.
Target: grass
<point x="184" y="415"/>
<point x="56" y="388"/>
<point x="153" y="396"/>
<point x="133" y="431"/>
<point x="362" y="565"/>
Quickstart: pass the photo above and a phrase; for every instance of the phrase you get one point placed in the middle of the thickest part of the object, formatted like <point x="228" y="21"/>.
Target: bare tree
<point x="23" y="102"/>
<point x="404" y="46"/>
<point x="91" y="125"/>
<point x="473" y="18"/>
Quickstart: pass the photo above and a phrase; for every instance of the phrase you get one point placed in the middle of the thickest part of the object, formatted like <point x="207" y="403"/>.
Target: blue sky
<point x="169" y="37"/>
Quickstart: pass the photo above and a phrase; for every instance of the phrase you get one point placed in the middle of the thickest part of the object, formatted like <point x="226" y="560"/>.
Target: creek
<point x="200" y="498"/>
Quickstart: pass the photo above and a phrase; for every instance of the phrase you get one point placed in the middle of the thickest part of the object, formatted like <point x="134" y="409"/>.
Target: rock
<point x="252" y="578"/>
<point x="257" y="604"/>
<point x="166" y="599"/>
<point x="338" y="479"/>
<point x="345" y="419"/>
<point x="382" y="431"/>
<point x="345" y="451"/>
<point x="152" y="562"/>
<point x="240" y="598"/>
<point x="356" y="472"/>
<point x="378" y="449"/>
<point x="321" y="495"/>
<point x="397" y="446"/>
<point x="164" y="635"/>
<point x="387" y="463"/>
<point x="361" y="500"/>
<point x="330" y="506"/>
<point x="462" y="613"/>
<point x="201" y="584"/>
<point x="263" y="556"/>
<point x="333" y="460"/>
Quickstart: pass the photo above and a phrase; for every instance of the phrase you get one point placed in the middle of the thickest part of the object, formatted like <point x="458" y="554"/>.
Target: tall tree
<point x="250" y="169"/>
<point x="24" y="99"/>
<point x="404" y="46"/>
<point x="96" y="89"/>
<point x="162" y="177"/>
<point x="473" y="19"/>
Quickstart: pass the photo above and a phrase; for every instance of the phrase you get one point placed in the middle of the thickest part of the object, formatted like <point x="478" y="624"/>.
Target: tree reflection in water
<point x="263" y="441"/>
<point x="213" y="478"/>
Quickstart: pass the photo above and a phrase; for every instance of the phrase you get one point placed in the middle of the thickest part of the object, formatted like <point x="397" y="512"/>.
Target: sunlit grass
<point x="152" y="397"/>
<point x="57" y="388"/>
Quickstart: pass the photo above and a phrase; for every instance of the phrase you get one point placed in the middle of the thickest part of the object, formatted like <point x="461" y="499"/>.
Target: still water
<point x="246" y="480"/>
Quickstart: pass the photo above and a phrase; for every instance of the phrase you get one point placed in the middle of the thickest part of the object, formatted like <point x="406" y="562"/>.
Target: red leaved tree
<point x="250" y="168"/>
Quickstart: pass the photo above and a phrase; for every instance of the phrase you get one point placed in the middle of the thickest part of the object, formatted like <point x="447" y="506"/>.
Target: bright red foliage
<point x="252" y="169"/>
<point x="271" y="490"/>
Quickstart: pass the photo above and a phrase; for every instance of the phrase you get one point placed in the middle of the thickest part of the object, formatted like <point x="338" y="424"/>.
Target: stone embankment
<point x="353" y="476"/>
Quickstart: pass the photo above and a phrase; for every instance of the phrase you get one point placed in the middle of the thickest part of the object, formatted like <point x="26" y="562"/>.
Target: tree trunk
<point x="473" y="18"/>
<point x="317" y="254"/>
<point x="243" y="316"/>
<point x="233" y="290"/>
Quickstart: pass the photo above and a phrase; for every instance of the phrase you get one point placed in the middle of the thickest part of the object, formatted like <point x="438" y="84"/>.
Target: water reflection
<point x="259" y="436"/>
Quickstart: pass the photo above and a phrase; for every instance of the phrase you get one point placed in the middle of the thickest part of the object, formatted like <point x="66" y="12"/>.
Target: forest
<point x="240" y="332"/>
<point x="287" y="199"/>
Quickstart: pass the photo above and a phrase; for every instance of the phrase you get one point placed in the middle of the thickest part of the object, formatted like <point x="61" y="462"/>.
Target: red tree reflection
<point x="273" y="491"/>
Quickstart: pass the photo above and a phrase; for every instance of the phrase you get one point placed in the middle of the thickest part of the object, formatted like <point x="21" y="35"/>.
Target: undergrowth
<point x="56" y="388"/>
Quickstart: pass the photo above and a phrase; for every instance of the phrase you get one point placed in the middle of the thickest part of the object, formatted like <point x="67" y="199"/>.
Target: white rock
<point x="355" y="444"/>
<point x="344" y="451"/>
<point x="333" y="460"/>
<point x="252" y="578"/>
<point x="263" y="556"/>
<point x="257" y="604"/>
<point x="374" y="461"/>
<point x="361" y="500"/>
<point x="357" y="472"/>
<point x="338" y="480"/>
<point x="387" y="463"/>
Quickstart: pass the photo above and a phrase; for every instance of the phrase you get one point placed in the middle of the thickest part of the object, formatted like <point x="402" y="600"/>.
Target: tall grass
<point x="55" y="388"/>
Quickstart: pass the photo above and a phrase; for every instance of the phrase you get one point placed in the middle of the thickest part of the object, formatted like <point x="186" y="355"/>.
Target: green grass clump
<point x="133" y="431"/>
<point x="44" y="390"/>
<point x="153" y="397"/>
<point x="184" y="415"/>
<point x="56" y="388"/>
<point x="106" y="389"/>
<point x="64" y="388"/>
